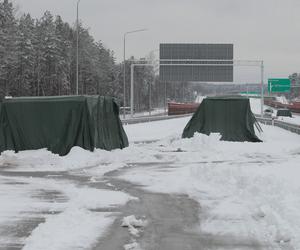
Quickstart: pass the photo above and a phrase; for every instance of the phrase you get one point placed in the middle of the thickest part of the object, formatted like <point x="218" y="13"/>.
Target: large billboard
<point x="187" y="62"/>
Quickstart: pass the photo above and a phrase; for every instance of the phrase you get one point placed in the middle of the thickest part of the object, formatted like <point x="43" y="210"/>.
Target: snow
<point x="73" y="229"/>
<point x="133" y="224"/>
<point x="200" y="98"/>
<point x="152" y="131"/>
<point x="255" y="104"/>
<point x="132" y="246"/>
<point x="156" y="111"/>
<point x="293" y="120"/>
<point x="132" y="221"/>
<point x="69" y="223"/>
<point x="44" y="160"/>
<point x="245" y="190"/>
<point x="282" y="99"/>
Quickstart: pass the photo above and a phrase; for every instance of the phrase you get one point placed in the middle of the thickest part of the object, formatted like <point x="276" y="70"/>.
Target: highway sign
<point x="196" y="62"/>
<point x="279" y="85"/>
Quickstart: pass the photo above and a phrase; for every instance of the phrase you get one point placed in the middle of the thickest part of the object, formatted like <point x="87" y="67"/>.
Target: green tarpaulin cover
<point x="229" y="116"/>
<point x="59" y="123"/>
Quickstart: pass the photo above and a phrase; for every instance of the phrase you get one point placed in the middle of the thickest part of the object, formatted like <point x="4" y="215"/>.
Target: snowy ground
<point x="246" y="191"/>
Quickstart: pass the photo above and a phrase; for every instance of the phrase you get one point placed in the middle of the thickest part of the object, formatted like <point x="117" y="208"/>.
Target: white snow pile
<point x="75" y="228"/>
<point x="98" y="162"/>
<point x="282" y="99"/>
<point x="132" y="246"/>
<point x="246" y="190"/>
<point x="44" y="160"/>
<point x="200" y="98"/>
<point x="70" y="222"/>
<point x="134" y="225"/>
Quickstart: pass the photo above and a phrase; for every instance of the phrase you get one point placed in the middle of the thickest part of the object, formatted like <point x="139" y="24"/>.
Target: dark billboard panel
<point x="186" y="62"/>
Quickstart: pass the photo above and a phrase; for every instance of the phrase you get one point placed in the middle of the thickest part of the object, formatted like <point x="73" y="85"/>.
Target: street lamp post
<point x="124" y="67"/>
<point x="262" y="90"/>
<point x="77" y="43"/>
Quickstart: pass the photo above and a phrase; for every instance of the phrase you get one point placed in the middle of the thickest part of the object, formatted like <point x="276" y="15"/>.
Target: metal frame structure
<point x="221" y="62"/>
<point x="234" y="63"/>
<point x="132" y="83"/>
<point x="124" y="66"/>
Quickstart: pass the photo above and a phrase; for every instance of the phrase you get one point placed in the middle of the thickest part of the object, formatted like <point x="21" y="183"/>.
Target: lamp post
<point x="77" y="43"/>
<point x="124" y="67"/>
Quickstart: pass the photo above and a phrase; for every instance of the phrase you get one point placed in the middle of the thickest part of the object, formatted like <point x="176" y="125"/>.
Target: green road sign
<point x="279" y="85"/>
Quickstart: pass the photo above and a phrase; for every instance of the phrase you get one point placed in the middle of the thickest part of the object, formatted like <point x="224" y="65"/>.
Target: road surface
<point x="172" y="218"/>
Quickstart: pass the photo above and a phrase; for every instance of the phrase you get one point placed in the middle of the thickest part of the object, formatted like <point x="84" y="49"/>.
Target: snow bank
<point x="44" y="160"/>
<point x="282" y="99"/>
<point x="132" y="246"/>
<point x="100" y="161"/>
<point x="133" y="224"/>
<point x="71" y="222"/>
<point x="75" y="228"/>
<point x="246" y="190"/>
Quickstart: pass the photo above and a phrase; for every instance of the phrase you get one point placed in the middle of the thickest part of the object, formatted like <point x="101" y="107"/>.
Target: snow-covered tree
<point x="25" y="55"/>
<point x="8" y="27"/>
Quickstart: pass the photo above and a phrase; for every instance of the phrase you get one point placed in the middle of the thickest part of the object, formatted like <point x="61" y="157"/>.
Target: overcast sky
<point x="259" y="29"/>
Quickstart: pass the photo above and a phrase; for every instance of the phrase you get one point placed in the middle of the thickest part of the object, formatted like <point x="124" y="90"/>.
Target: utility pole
<point x="262" y="90"/>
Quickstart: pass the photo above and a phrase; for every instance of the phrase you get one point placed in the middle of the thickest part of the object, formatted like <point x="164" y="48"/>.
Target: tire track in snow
<point x="172" y="221"/>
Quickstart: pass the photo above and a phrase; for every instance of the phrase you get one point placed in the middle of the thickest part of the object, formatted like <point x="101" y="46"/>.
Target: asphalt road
<point x="172" y="223"/>
<point x="172" y="219"/>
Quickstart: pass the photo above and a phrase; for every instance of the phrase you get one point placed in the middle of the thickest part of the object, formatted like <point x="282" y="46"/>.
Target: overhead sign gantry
<point x="187" y="62"/>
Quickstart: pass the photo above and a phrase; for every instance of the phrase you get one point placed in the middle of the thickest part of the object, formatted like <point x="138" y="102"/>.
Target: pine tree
<point x="63" y="57"/>
<point x="25" y="54"/>
<point x="38" y="57"/>
<point x="7" y="48"/>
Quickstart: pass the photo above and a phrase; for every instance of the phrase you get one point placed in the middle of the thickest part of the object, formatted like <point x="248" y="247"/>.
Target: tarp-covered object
<point x="229" y="116"/>
<point x="59" y="123"/>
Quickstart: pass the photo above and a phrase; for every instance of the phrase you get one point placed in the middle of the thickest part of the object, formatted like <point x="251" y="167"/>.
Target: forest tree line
<point x="38" y="58"/>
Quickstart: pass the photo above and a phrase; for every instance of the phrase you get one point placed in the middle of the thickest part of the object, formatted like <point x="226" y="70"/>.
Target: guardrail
<point x="294" y="128"/>
<point x="152" y="118"/>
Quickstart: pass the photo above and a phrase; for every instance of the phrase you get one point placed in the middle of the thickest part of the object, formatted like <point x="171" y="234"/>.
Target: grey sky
<point x="259" y="29"/>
